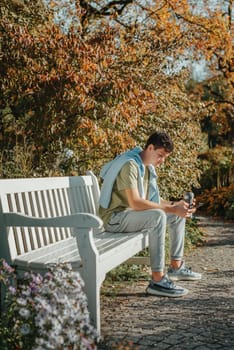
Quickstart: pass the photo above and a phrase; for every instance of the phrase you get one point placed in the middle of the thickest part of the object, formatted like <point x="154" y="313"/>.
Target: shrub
<point x="219" y="202"/>
<point x="45" y="312"/>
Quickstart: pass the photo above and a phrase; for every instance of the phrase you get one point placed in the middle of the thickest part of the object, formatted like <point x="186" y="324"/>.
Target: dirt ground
<point x="203" y="319"/>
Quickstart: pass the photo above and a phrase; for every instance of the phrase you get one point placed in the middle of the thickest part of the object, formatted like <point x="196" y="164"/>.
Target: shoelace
<point x="187" y="269"/>
<point x="169" y="282"/>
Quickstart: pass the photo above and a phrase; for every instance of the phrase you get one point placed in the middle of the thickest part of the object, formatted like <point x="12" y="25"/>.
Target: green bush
<point x="219" y="202"/>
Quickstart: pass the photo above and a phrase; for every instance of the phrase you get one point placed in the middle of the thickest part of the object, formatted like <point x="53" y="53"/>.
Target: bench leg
<point x="92" y="275"/>
<point x="92" y="290"/>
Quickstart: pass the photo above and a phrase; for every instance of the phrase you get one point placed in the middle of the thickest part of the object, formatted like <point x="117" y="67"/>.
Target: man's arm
<point x="137" y="203"/>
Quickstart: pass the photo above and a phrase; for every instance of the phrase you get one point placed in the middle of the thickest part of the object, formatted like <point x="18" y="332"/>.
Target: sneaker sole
<point x="166" y="294"/>
<point x="185" y="278"/>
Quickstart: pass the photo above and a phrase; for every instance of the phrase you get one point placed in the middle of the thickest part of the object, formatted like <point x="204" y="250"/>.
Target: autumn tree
<point x="217" y="113"/>
<point x="103" y="81"/>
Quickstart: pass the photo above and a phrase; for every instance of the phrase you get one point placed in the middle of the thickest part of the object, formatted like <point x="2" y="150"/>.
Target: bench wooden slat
<point x="60" y="251"/>
<point x="109" y="248"/>
<point x="47" y="220"/>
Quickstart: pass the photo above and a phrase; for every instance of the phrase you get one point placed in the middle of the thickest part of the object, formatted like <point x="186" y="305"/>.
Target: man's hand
<point x="181" y="208"/>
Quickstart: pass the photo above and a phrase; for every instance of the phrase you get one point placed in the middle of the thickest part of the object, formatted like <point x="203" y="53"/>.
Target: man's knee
<point x="158" y="217"/>
<point x="175" y="219"/>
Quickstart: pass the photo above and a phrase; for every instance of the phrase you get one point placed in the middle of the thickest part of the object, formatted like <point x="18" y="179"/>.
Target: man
<point x="130" y="202"/>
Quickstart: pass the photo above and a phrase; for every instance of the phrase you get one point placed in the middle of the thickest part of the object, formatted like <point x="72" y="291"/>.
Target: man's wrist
<point x="169" y="208"/>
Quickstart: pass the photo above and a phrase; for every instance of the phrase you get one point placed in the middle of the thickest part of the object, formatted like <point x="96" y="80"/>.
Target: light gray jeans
<point x="155" y="221"/>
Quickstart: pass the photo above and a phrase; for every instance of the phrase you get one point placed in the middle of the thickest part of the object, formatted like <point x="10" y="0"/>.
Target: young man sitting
<point x="130" y="202"/>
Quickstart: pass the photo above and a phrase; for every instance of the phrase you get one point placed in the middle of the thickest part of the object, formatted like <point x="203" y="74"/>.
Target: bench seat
<point x="109" y="245"/>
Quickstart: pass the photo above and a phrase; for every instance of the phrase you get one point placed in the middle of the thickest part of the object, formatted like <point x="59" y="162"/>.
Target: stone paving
<point x="201" y="320"/>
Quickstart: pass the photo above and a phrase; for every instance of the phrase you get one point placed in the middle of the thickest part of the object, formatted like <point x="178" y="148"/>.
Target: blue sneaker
<point x="183" y="273"/>
<point x="165" y="288"/>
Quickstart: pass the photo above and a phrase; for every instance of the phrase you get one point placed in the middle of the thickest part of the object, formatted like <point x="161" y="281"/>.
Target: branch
<point x="115" y="6"/>
<point x="220" y="97"/>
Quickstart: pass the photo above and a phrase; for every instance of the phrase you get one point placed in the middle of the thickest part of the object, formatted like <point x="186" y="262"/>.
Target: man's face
<point x="156" y="156"/>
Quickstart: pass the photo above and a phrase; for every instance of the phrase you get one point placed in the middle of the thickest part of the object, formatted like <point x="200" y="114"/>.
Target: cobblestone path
<point x="201" y="320"/>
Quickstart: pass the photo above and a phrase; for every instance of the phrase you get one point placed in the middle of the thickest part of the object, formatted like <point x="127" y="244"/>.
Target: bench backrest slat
<point x="44" y="197"/>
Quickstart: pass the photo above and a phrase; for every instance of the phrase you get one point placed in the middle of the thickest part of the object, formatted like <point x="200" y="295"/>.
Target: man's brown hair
<point x="160" y="139"/>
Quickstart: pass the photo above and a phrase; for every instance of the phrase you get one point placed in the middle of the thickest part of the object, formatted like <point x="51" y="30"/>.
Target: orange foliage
<point x="102" y="88"/>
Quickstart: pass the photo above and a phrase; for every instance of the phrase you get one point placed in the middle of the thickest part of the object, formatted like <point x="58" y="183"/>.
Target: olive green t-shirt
<point x="127" y="178"/>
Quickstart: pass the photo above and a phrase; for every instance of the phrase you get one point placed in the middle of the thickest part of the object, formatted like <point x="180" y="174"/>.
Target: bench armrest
<point x="78" y="220"/>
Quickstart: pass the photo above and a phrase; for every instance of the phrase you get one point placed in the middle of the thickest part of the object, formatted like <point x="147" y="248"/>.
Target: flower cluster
<point x="45" y="312"/>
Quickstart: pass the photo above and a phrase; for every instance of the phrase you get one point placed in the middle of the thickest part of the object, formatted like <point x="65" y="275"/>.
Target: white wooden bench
<point x="50" y="220"/>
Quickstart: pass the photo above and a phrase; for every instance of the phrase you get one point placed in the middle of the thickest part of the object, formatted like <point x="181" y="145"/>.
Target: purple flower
<point x="25" y="329"/>
<point x="7" y="267"/>
<point x="34" y="287"/>
<point x="12" y="290"/>
<point x="37" y="279"/>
